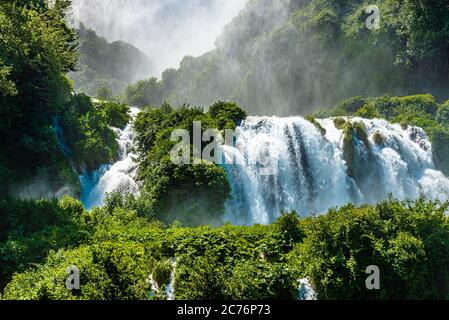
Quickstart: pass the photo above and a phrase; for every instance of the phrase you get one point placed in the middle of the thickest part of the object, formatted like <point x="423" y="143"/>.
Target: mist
<point x="165" y="30"/>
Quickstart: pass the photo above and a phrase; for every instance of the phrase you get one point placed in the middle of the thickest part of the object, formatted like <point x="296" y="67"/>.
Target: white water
<point x="308" y="172"/>
<point x="121" y="176"/>
<point x="169" y="292"/>
<point x="306" y="291"/>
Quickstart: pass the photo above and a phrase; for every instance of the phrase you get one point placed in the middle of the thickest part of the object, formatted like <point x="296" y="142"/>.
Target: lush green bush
<point x="228" y="115"/>
<point x="144" y="93"/>
<point x="409" y="242"/>
<point x="110" y="271"/>
<point x="168" y="188"/>
<point x="30" y="229"/>
<point x="116" y="114"/>
<point x="87" y="130"/>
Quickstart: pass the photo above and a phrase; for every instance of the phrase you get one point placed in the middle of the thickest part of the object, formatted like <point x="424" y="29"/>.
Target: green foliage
<point x="339" y="123"/>
<point x="354" y="135"/>
<point x="105" y="69"/>
<point x="112" y="271"/>
<point x="290" y="229"/>
<point x="30" y="229"/>
<point x="407" y="241"/>
<point x="144" y="93"/>
<point x="87" y="130"/>
<point x="260" y="280"/>
<point x="168" y="188"/>
<point x="368" y="111"/>
<point x="201" y="279"/>
<point x="36" y="50"/>
<point x="228" y="115"/>
<point x="116" y="114"/>
<point x="440" y="148"/>
<point x="47" y="132"/>
<point x="161" y="272"/>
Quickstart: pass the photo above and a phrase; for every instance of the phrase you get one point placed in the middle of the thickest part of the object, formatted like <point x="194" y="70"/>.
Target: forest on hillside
<point x="292" y="56"/>
<point x="374" y="136"/>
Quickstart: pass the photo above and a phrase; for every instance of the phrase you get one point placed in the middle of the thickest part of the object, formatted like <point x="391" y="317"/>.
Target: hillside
<point x="104" y="65"/>
<point x="292" y="56"/>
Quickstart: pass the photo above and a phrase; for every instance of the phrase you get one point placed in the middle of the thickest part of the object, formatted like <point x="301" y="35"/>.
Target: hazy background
<point x="165" y="30"/>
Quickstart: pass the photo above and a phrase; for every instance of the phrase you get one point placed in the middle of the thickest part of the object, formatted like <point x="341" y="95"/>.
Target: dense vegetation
<point x="47" y="133"/>
<point x="290" y="56"/>
<point x="132" y="246"/>
<point x="167" y="187"/>
<point x="105" y="69"/>
<point x="120" y="252"/>
<point x="36" y="49"/>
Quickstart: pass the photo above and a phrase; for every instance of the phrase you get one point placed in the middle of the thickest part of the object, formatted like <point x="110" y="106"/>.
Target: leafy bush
<point x="407" y="241"/>
<point x="228" y="115"/>
<point x="87" y="130"/>
<point x="144" y="93"/>
<point x="168" y="188"/>
<point x="30" y="229"/>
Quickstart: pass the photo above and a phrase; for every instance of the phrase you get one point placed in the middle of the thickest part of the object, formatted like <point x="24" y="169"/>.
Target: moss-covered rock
<point x="313" y="120"/>
<point x="354" y="134"/>
<point x="340" y="123"/>
<point x="379" y="138"/>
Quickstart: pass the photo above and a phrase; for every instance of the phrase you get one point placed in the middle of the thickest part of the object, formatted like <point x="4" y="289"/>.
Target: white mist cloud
<point x="165" y="30"/>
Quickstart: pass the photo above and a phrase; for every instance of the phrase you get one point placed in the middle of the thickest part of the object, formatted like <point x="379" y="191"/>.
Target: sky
<point x="165" y="30"/>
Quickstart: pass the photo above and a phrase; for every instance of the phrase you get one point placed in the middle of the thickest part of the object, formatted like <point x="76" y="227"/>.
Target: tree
<point x="144" y="93"/>
<point x="36" y="49"/>
<point x="104" y="93"/>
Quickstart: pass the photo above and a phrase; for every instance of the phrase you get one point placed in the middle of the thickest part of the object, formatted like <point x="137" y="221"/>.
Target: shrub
<point x="407" y="241"/>
<point x="339" y="123"/>
<point x="227" y="114"/>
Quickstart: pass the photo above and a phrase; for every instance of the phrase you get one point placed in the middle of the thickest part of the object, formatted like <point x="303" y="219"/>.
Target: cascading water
<point x="59" y="133"/>
<point x="309" y="171"/>
<point x="306" y="291"/>
<point x="117" y="177"/>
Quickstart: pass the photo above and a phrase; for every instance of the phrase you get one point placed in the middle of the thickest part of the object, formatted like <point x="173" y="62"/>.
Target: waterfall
<point x="60" y="138"/>
<point x="117" y="177"/>
<point x="306" y="291"/>
<point x="311" y="171"/>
